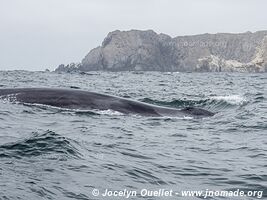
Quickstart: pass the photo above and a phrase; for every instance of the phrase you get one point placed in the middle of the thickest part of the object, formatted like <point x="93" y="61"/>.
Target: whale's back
<point x="78" y="99"/>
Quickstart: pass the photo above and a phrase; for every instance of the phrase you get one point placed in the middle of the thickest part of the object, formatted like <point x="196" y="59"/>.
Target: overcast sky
<point x="40" y="34"/>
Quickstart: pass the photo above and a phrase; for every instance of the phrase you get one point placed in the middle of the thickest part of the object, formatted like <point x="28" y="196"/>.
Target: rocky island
<point x="137" y="50"/>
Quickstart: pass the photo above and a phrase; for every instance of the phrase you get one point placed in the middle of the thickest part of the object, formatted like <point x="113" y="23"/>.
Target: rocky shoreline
<point x="137" y="50"/>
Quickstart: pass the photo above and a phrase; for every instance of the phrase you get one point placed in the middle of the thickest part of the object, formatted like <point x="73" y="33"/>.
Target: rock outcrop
<point x="134" y="50"/>
<point x="72" y="67"/>
<point x="148" y="51"/>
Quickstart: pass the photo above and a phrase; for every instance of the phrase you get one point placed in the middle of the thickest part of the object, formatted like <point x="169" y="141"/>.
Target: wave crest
<point x="48" y="143"/>
<point x="216" y="102"/>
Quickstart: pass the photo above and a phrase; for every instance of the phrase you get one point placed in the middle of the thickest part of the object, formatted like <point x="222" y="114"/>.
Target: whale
<point x="86" y="100"/>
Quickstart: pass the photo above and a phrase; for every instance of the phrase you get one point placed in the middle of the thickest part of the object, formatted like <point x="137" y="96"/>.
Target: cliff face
<point x="134" y="50"/>
<point x="148" y="51"/>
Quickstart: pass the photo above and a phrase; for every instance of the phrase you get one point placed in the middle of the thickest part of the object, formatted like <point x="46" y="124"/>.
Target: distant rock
<point x="134" y="51"/>
<point x="72" y="67"/>
<point x="148" y="51"/>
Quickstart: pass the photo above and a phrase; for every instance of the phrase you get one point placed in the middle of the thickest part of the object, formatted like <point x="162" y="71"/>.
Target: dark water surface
<point x="50" y="153"/>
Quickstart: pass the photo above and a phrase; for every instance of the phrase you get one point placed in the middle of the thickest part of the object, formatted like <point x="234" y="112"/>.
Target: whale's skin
<point x="85" y="100"/>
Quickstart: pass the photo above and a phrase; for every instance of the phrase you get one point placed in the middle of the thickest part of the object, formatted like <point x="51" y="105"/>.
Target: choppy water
<point x="50" y="153"/>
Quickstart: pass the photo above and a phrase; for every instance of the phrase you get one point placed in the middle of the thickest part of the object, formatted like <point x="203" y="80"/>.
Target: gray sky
<point x="40" y="34"/>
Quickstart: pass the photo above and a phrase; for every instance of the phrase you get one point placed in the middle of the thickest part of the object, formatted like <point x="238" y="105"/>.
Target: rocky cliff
<point x="148" y="51"/>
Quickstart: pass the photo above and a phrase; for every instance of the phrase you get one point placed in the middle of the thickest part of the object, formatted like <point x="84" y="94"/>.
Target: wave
<point x="49" y="144"/>
<point x="231" y="99"/>
<point x="216" y="102"/>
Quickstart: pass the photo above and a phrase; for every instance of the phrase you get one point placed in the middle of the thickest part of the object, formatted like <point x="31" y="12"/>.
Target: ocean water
<point x="52" y="153"/>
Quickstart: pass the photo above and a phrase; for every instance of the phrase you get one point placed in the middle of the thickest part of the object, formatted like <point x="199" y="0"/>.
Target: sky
<point x="42" y="34"/>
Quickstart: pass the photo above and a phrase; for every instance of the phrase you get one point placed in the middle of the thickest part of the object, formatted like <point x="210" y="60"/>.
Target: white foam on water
<point x="100" y="112"/>
<point x="107" y="112"/>
<point x="9" y="98"/>
<point x="231" y="99"/>
<point x="175" y="117"/>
